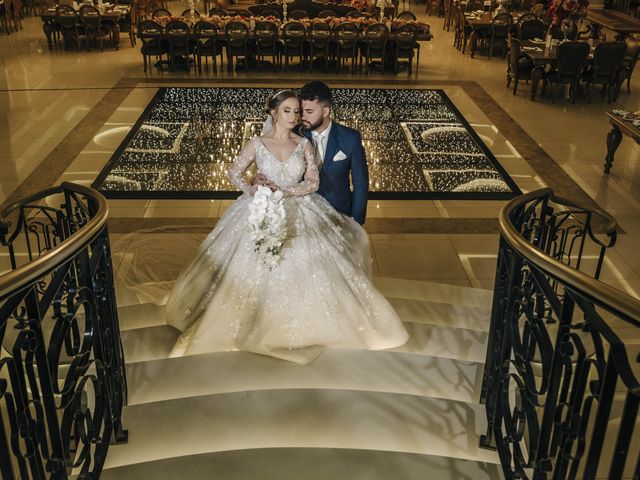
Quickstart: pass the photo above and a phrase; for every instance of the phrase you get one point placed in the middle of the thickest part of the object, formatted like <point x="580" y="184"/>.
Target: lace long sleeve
<point x="311" y="180"/>
<point x="240" y="165"/>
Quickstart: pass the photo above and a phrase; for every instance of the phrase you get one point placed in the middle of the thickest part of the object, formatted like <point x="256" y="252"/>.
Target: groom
<point x="339" y="152"/>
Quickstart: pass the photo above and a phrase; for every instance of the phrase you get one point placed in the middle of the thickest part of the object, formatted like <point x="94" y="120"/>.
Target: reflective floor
<point x="49" y="100"/>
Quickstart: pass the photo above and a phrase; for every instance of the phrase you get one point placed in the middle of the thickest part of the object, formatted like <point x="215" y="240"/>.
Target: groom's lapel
<point x="332" y="145"/>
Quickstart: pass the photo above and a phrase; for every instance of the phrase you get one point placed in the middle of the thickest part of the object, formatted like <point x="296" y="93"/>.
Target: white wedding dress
<point x="318" y="295"/>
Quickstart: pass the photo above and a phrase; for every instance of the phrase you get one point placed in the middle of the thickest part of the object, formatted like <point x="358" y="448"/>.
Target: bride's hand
<point x="261" y="180"/>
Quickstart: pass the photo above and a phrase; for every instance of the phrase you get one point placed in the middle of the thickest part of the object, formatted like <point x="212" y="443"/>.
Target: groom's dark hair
<point x="316" y="90"/>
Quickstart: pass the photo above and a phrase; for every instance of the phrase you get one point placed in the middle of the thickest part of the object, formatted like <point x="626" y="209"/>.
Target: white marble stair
<point x="307" y="464"/>
<point x="404" y="413"/>
<point x="308" y="418"/>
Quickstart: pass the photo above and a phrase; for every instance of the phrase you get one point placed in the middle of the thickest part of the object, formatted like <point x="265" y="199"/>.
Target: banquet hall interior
<point x="502" y="225"/>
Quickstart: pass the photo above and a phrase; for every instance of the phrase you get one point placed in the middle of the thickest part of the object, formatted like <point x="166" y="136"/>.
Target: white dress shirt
<point x="320" y="142"/>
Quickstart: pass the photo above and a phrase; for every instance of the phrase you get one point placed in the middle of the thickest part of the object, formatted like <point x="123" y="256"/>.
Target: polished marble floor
<point x="50" y="100"/>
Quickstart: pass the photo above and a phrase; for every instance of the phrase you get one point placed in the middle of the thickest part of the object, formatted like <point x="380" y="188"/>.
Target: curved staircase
<point x="406" y="413"/>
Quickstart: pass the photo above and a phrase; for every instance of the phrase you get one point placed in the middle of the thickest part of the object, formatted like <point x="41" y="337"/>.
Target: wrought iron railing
<point x="62" y="376"/>
<point x="559" y="386"/>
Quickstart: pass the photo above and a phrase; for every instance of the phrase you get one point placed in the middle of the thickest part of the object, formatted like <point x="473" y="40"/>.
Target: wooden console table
<point x="619" y="22"/>
<point x="614" y="137"/>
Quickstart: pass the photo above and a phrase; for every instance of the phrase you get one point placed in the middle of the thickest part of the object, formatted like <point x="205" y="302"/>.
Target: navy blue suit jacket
<point x="334" y="174"/>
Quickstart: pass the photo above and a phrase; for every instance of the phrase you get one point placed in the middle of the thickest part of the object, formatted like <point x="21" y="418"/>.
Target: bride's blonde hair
<point x="275" y="99"/>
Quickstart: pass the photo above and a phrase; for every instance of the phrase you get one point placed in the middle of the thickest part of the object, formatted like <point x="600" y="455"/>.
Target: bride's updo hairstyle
<point x="275" y="100"/>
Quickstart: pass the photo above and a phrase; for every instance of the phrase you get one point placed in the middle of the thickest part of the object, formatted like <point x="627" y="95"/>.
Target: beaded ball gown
<point x="318" y="295"/>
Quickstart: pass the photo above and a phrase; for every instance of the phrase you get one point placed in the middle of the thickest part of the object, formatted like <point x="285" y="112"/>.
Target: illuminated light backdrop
<point x="418" y="145"/>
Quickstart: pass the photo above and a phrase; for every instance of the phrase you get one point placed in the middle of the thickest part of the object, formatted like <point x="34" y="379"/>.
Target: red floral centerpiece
<point x="573" y="10"/>
<point x="359" y="4"/>
<point x="420" y="26"/>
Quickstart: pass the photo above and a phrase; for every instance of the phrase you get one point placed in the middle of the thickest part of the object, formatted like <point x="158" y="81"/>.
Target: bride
<point x="319" y="293"/>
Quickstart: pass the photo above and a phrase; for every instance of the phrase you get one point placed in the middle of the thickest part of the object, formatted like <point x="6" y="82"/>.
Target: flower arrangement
<point x="268" y="224"/>
<point x="359" y="4"/>
<point x="420" y="26"/>
<point x="573" y="10"/>
<point x="333" y="21"/>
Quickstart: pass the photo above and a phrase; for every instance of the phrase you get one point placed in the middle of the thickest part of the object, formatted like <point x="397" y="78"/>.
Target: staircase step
<point x="435" y="292"/>
<point x="154" y="343"/>
<point x="436" y="313"/>
<point x="445" y="342"/>
<point x="306" y="463"/>
<point x="415" y="301"/>
<point x="301" y="418"/>
<point x="409" y="310"/>
<point x="337" y="369"/>
<point x="140" y="316"/>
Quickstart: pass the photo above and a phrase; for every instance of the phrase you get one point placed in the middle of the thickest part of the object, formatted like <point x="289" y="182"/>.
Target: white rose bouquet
<point x="268" y="224"/>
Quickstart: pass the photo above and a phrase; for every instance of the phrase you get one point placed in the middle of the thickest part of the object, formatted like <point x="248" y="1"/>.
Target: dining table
<point x="540" y="55"/>
<point x="620" y="23"/>
<point x="480" y="21"/>
<point x="111" y="17"/>
<point x="622" y="123"/>
<point x="251" y="35"/>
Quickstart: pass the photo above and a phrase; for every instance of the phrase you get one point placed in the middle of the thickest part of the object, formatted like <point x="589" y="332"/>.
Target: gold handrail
<point x="609" y="297"/>
<point x="24" y="275"/>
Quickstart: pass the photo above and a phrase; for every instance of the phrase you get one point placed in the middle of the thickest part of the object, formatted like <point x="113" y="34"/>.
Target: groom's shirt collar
<point x="325" y="132"/>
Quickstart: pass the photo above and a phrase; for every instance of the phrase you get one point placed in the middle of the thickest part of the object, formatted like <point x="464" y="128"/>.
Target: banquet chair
<point x="294" y="37"/>
<point x="267" y="43"/>
<point x="530" y="29"/>
<point x="160" y="12"/>
<point x="449" y="11"/>
<point x="500" y="29"/>
<point x="91" y="21"/>
<point x="462" y="31"/>
<point x="538" y="10"/>
<point x="27" y="6"/>
<point x="178" y="35"/>
<point x="474" y="5"/>
<point x="207" y="44"/>
<point x="4" y="18"/>
<point x="67" y="19"/>
<point x="346" y="44"/>
<point x="571" y="58"/>
<point x="375" y="44"/>
<point x="187" y="13"/>
<point x="406" y="47"/>
<point x="607" y="60"/>
<point x="319" y="41"/>
<point x="272" y="13"/>
<point x="514" y="5"/>
<point x="133" y="21"/>
<point x="629" y="62"/>
<point x="219" y="12"/>
<point x="12" y="15"/>
<point x="326" y="14"/>
<point x="153" y="41"/>
<point x="433" y="5"/>
<point x="406" y="15"/>
<point x="524" y="18"/>
<point x="297" y="15"/>
<point x="237" y="36"/>
<point x="519" y="66"/>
